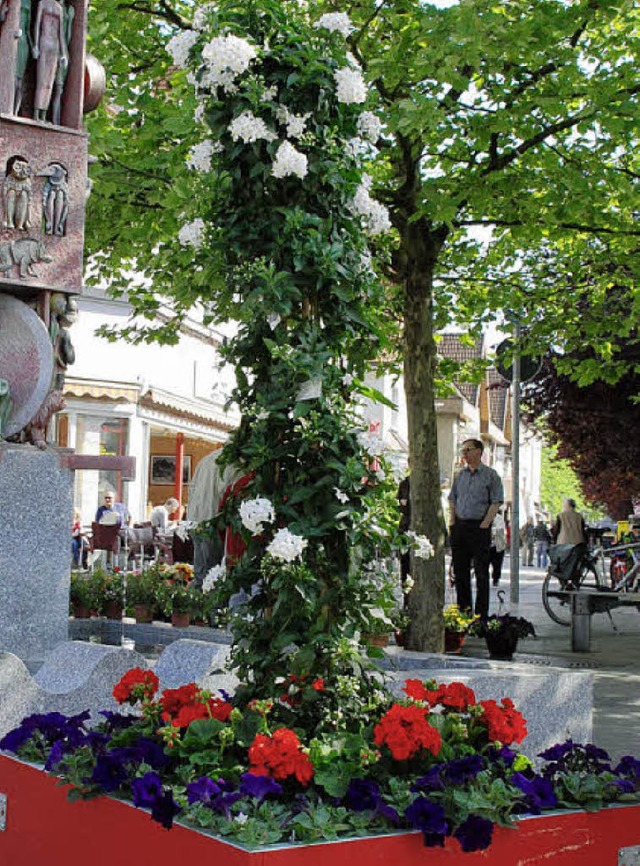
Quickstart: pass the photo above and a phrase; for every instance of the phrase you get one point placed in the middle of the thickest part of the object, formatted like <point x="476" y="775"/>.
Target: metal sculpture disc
<point x="26" y="361"/>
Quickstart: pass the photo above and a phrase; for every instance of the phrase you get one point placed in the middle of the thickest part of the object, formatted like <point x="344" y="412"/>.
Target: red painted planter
<point x="43" y="828"/>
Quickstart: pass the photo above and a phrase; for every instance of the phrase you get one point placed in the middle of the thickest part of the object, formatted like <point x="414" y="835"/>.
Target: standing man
<point x="475" y="498"/>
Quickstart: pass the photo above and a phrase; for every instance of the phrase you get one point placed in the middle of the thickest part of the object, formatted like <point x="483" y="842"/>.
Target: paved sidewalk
<point x="614" y="659"/>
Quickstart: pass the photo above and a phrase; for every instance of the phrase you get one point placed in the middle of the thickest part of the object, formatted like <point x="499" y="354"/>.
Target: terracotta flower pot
<point x="180" y="620"/>
<point x="453" y="641"/>
<point x="377" y="639"/>
<point x="143" y="613"/>
<point x="113" y="609"/>
<point x="81" y="612"/>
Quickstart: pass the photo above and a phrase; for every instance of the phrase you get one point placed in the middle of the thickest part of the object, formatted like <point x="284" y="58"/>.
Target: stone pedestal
<point x="35" y="550"/>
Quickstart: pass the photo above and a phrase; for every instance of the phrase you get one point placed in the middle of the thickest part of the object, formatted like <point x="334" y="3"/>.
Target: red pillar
<point x="177" y="482"/>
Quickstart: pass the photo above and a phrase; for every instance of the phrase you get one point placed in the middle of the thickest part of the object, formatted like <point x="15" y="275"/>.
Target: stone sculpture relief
<point x="64" y="313"/>
<point x="24" y="48"/>
<point x="55" y="199"/>
<point x="17" y="194"/>
<point x="23" y="254"/>
<point x="51" y="36"/>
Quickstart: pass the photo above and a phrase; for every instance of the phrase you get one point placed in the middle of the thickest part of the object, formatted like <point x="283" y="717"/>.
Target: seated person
<point x="161" y="516"/>
<point x="112" y="512"/>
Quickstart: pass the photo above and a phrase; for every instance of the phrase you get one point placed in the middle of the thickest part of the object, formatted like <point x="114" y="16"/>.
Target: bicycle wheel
<point x="558" y="607"/>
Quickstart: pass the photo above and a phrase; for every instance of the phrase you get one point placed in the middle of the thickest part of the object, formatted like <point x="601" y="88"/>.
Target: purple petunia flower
<point x="203" y="790"/>
<point x="259" y="787"/>
<point x="109" y="773"/>
<point x="630" y="767"/>
<point x="146" y="790"/>
<point x="431" y="781"/>
<point x="557" y="752"/>
<point x="538" y="792"/>
<point x="117" y="721"/>
<point x="474" y="834"/>
<point x="506" y="755"/>
<point x="428" y="817"/>
<point x="624" y="786"/>
<point x="364" y="795"/>
<point x="461" y="770"/>
<point x="165" y="809"/>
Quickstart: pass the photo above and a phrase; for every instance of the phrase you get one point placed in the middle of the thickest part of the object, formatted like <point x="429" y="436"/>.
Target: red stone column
<point x="177" y="483"/>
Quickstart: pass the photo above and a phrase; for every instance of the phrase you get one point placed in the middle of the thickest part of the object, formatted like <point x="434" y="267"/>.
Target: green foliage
<point x="559" y="481"/>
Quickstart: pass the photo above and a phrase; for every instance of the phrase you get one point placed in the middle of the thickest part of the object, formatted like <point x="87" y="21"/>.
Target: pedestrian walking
<point x="542" y="540"/>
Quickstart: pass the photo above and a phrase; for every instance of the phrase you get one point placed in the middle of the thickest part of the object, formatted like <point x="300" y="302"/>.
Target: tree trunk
<point x="421" y="247"/>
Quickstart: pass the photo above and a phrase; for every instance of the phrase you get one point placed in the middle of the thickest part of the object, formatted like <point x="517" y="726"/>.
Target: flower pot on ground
<point x="109" y="592"/>
<point x="180" y="620"/>
<point x="143" y="613"/>
<point x="456" y="625"/>
<point x="113" y="609"/>
<point x="82" y="595"/>
<point x="142" y="591"/>
<point x="502" y="633"/>
<point x="453" y="640"/>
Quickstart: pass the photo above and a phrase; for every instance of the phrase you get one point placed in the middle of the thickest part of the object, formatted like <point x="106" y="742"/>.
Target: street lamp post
<point x="514" y="549"/>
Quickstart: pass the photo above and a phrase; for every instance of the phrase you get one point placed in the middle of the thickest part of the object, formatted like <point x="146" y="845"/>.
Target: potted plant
<point x="456" y="626"/>
<point x="82" y="595"/>
<point x="176" y="596"/>
<point x="109" y="591"/>
<point x="142" y="591"/>
<point x="502" y="632"/>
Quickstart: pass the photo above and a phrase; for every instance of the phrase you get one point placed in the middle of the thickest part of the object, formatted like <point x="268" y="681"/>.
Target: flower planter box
<point x="43" y="827"/>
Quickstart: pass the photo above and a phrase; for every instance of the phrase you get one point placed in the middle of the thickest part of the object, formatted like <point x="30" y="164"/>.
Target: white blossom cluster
<point x="371" y="443"/>
<point x="422" y="547"/>
<point x="226" y="57"/>
<point x="335" y="22"/>
<point x="341" y="496"/>
<point x="192" y="234"/>
<point x="213" y="576"/>
<point x="351" y="86"/>
<point x="375" y="215"/>
<point x="270" y="94"/>
<point x="295" y="123"/>
<point x="250" y="128"/>
<point x="200" y="15"/>
<point x="369" y="126"/>
<point x="200" y="155"/>
<point x="289" y="161"/>
<point x="286" y="545"/>
<point x="180" y="45"/>
<point x="255" y="512"/>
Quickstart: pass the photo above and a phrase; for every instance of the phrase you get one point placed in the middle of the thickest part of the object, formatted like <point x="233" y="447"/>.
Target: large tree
<point x="516" y="117"/>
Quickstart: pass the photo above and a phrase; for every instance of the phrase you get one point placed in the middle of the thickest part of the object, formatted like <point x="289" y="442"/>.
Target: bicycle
<point x="573" y="567"/>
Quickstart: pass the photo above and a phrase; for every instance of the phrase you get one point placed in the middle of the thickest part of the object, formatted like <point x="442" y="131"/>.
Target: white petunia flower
<point x="273" y="320"/>
<point x="347" y="379"/>
<point x="422" y="547"/>
<point x="351" y="86"/>
<point x="286" y="545"/>
<point x="369" y="126"/>
<point x="213" y="576"/>
<point x="200" y="155"/>
<point x="355" y="147"/>
<point x="270" y="94"/>
<point x="255" y="512"/>
<point x="250" y="128"/>
<point x="198" y="114"/>
<point x="335" y="22"/>
<point x="180" y="45"/>
<point x="192" y="234"/>
<point x="289" y="161"/>
<point x="341" y="496"/>
<point x="226" y="57"/>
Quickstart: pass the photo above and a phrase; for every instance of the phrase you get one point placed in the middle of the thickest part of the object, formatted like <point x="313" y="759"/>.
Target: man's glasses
<point x="464" y="450"/>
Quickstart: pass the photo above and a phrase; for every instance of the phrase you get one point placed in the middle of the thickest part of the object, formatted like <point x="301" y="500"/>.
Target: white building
<point x="154" y="402"/>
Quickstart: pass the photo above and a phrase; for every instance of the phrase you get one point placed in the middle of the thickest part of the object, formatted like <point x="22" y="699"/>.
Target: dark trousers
<point x="496" y="558"/>
<point x="470" y="544"/>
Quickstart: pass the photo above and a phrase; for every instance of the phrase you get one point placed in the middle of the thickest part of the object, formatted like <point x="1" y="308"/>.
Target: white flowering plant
<point x="288" y="218"/>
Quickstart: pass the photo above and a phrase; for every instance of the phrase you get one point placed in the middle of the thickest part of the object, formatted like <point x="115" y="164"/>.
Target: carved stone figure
<point x="50" y="51"/>
<point x="68" y="13"/>
<point x="23" y="51"/>
<point x="64" y="313"/>
<point x="16" y="195"/>
<point x="36" y="429"/>
<point x="55" y="199"/>
<point x="23" y="253"/>
<point x="6" y="404"/>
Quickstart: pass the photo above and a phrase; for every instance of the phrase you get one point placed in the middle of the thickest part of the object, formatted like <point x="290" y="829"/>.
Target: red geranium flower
<point x="318" y="684"/>
<point x="405" y="731"/>
<point x="504" y="723"/>
<point x="136" y="685"/>
<point x="457" y="696"/>
<point x="280" y="756"/>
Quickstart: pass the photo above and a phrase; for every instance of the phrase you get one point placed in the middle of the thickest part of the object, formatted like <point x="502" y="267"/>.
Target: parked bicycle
<point x="575" y="566"/>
